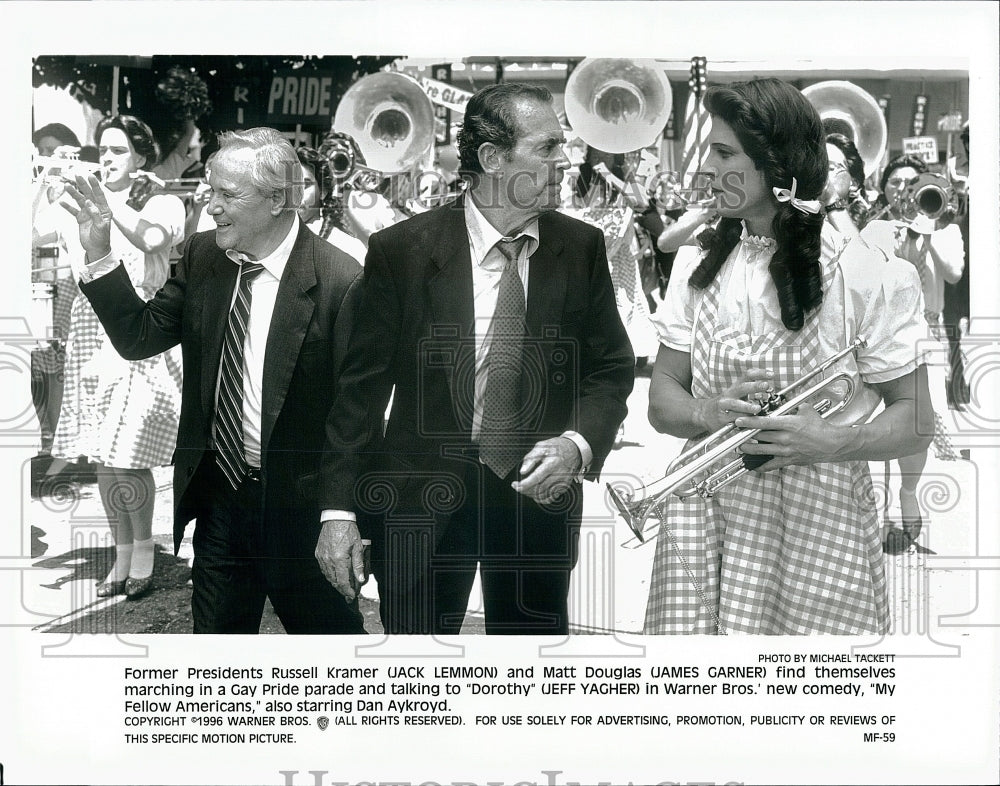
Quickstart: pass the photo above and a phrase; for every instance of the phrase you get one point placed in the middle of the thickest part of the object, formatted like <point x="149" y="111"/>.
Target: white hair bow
<point x="802" y="205"/>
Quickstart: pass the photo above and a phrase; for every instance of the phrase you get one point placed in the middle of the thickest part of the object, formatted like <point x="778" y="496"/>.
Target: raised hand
<point x="93" y="215"/>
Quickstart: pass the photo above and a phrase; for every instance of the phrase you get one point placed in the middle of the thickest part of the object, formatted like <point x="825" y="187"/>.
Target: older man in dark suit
<point x="261" y="308"/>
<point x="494" y="321"/>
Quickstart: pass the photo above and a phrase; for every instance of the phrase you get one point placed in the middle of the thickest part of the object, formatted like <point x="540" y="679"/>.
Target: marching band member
<point x="843" y="199"/>
<point x="322" y="210"/>
<point x="793" y="547"/>
<point x="935" y="250"/>
<point x="122" y="415"/>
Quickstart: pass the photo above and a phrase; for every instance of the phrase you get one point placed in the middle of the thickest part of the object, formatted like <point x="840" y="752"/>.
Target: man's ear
<point x="490" y="158"/>
<point x="277" y="202"/>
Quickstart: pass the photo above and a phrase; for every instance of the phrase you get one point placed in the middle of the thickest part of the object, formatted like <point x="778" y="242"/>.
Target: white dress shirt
<point x="263" y="292"/>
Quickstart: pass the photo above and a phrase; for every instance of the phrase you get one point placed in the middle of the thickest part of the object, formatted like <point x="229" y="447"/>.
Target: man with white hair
<point x="261" y="308"/>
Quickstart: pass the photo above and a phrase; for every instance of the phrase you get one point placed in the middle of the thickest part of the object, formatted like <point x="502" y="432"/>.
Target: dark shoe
<point x="136" y="587"/>
<point x="898" y="541"/>
<point x="895" y="540"/>
<point x="108" y="588"/>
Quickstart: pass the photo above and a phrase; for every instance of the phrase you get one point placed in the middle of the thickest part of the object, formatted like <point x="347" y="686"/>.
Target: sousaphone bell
<point x="847" y="109"/>
<point x="391" y="119"/>
<point x="618" y="105"/>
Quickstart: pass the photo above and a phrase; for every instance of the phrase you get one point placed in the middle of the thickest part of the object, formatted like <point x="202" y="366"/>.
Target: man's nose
<point x="214" y="206"/>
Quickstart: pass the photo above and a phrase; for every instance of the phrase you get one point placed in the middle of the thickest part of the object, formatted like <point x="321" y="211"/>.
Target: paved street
<point x="71" y="552"/>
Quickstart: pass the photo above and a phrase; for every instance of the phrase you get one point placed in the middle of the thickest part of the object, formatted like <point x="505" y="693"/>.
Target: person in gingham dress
<point x="123" y="415"/>
<point x="794" y="546"/>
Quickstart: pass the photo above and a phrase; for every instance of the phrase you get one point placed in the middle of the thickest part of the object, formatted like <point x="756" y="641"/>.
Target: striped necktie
<point x="229" y="407"/>
<point x="499" y="446"/>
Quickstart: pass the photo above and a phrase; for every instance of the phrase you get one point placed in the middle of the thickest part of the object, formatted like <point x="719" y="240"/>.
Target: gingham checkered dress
<point x="115" y="412"/>
<point x="795" y="550"/>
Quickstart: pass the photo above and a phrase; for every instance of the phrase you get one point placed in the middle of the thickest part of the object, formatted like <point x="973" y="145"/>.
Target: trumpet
<point x="930" y="195"/>
<point x="697" y="470"/>
<point x="52" y="170"/>
<point x="345" y="167"/>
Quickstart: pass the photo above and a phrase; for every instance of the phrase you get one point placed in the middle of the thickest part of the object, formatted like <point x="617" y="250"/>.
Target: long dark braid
<point x="782" y="134"/>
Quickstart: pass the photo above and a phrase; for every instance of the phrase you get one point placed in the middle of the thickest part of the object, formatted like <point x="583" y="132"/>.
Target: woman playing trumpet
<point x="935" y="250"/>
<point x="793" y="547"/>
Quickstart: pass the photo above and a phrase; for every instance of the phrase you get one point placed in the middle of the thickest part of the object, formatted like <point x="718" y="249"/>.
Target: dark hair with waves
<point x="899" y="162"/>
<point x="140" y="137"/>
<point x="857" y="207"/>
<point x="490" y="117"/>
<point x="782" y="134"/>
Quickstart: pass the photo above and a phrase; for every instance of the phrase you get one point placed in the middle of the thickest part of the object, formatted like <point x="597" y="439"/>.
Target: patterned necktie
<point x="498" y="445"/>
<point x="229" y="408"/>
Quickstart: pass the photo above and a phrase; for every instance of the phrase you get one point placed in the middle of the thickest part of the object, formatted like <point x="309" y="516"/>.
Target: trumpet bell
<point x="930" y="195"/>
<point x="390" y="118"/>
<point x="618" y="105"/>
<point x="847" y="109"/>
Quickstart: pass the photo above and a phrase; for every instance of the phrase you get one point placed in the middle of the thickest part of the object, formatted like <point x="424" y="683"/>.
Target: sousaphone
<point x="390" y="118"/>
<point x="847" y="109"/>
<point x="618" y="105"/>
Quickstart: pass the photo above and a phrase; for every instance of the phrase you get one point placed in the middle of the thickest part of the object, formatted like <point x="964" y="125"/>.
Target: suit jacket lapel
<point x="450" y="278"/>
<point x="293" y="309"/>
<point x="450" y="296"/>
<point x="547" y="282"/>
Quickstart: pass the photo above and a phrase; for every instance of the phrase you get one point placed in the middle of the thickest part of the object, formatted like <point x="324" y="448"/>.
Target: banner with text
<point x="297" y="97"/>
<point x="444" y="94"/>
<point x="923" y="147"/>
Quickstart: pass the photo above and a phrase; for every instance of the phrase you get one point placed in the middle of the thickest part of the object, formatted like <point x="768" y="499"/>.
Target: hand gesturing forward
<point x="92" y="215"/>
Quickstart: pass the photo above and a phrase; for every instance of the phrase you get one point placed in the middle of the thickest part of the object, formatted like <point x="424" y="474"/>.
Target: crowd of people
<point x="343" y="388"/>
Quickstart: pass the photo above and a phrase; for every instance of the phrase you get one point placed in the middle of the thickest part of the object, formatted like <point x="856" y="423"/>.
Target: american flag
<point x="697" y="125"/>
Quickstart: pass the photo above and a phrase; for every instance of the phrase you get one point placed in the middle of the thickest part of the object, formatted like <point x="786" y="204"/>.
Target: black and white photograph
<point x="606" y="368"/>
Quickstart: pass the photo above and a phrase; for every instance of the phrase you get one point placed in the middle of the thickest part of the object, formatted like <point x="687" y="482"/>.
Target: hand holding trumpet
<point x="743" y="398"/>
<point x="800" y="438"/>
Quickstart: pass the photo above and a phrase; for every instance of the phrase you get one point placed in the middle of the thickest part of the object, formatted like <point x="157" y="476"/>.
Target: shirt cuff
<point x="337" y="515"/>
<point x="97" y="268"/>
<point x="586" y="454"/>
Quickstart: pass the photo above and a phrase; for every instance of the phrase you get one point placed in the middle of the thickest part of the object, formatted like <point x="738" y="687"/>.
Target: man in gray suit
<point x="262" y="310"/>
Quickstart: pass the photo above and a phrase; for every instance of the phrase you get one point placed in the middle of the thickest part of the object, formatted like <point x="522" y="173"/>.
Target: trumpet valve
<point x="771" y="403"/>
